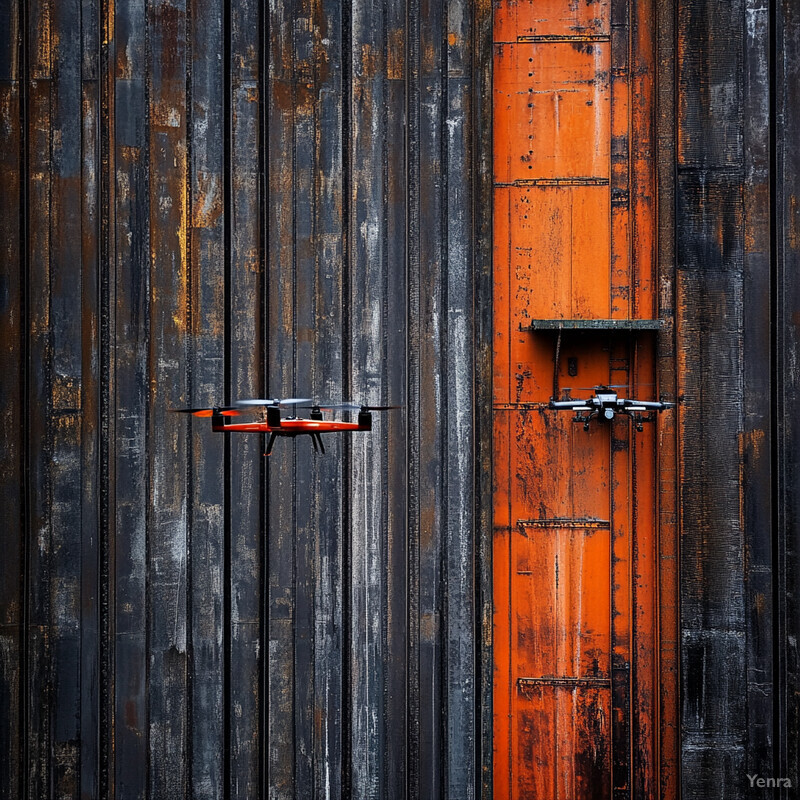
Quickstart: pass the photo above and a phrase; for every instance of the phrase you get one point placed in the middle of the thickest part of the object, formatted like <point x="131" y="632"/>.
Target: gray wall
<point x="204" y="201"/>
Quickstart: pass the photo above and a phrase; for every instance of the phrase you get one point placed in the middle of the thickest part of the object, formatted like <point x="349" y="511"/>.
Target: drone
<point x="273" y="423"/>
<point x="606" y="403"/>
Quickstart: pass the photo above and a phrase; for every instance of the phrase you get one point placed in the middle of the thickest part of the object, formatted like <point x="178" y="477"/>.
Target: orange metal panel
<point x="576" y="515"/>
<point x="559" y="247"/>
<point x="560" y="737"/>
<point x="552" y="111"/>
<point x="551" y="18"/>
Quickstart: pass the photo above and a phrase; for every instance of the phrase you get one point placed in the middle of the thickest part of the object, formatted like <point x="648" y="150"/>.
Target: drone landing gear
<point x="638" y="419"/>
<point x="316" y="440"/>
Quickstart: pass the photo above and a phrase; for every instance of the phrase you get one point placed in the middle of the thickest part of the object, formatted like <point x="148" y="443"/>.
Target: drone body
<point x="605" y="404"/>
<point x="276" y="425"/>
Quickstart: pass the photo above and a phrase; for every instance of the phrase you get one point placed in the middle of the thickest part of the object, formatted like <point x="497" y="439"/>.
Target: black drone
<point x="606" y="403"/>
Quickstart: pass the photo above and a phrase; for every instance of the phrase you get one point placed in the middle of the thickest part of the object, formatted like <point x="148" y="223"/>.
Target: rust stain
<point x="395" y="54"/>
<point x="753" y="442"/>
<point x="283" y="95"/>
<point x="66" y="393"/>
<point x="370" y="61"/>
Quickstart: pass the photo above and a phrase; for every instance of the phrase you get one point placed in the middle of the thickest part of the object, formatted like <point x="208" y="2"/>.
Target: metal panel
<point x="576" y="643"/>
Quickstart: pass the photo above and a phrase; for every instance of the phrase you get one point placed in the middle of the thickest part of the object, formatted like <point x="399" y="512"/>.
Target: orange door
<point x="575" y="524"/>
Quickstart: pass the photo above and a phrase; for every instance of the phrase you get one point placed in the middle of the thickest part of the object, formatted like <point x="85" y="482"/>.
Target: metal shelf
<point x="593" y="325"/>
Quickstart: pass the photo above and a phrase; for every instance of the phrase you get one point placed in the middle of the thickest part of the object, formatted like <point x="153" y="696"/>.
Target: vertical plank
<point x="90" y="420"/>
<point x="645" y="645"/>
<point x="326" y="375"/>
<point x="281" y="383"/>
<point x="65" y="402"/>
<point x="482" y="310"/>
<point x="130" y="289"/>
<point x="757" y="379"/>
<point x="433" y="402"/>
<point x="622" y="279"/>
<point x="367" y="265"/>
<point x="666" y="427"/>
<point x="245" y="379"/>
<point x="306" y="100"/>
<point x="37" y="690"/>
<point x="106" y="370"/>
<point x="712" y="590"/>
<point x="414" y="290"/>
<point x="458" y="374"/>
<point x="167" y="452"/>
<point x="12" y="386"/>
<point x="644" y="529"/>
<point x="205" y="385"/>
<point x="710" y="54"/>
<point x="786" y="344"/>
<point x="394" y="423"/>
<point x="709" y="208"/>
<point x="642" y="166"/>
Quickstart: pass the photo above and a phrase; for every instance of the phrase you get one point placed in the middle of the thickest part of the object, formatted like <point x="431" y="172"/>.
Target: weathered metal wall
<point x="736" y="323"/>
<point x="202" y="201"/>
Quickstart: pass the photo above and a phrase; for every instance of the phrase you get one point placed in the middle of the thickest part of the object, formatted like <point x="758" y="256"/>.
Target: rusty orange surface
<point x="576" y="595"/>
<point x="551" y="18"/>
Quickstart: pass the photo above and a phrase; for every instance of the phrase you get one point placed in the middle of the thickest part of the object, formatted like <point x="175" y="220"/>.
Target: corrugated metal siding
<point x="204" y="201"/>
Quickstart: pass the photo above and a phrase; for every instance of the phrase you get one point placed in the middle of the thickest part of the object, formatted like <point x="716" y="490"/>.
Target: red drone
<point x="275" y="425"/>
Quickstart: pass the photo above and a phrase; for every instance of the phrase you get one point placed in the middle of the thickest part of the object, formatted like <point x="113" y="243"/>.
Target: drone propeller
<point x="351" y="407"/>
<point x="225" y="411"/>
<point x="289" y="401"/>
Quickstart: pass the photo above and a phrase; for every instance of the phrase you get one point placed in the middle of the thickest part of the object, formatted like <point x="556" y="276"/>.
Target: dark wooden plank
<point x="65" y="404"/>
<point x="458" y="375"/>
<point x="433" y="408"/>
<point x="245" y="378"/>
<point x="326" y="485"/>
<point x="12" y="415"/>
<point x="756" y="444"/>
<point x="10" y="55"/>
<point x="129" y="296"/>
<point x="786" y="431"/>
<point x="414" y="290"/>
<point x="167" y="452"/>
<point x="91" y="428"/>
<point x="106" y="457"/>
<point x="709" y="312"/>
<point x="305" y="260"/>
<point x="667" y="429"/>
<point x="395" y="422"/>
<point x="280" y="383"/>
<point x="482" y="192"/>
<point x="205" y="386"/>
<point x="710" y="64"/>
<point x="90" y="421"/>
<point x="37" y="688"/>
<point x="367" y="242"/>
